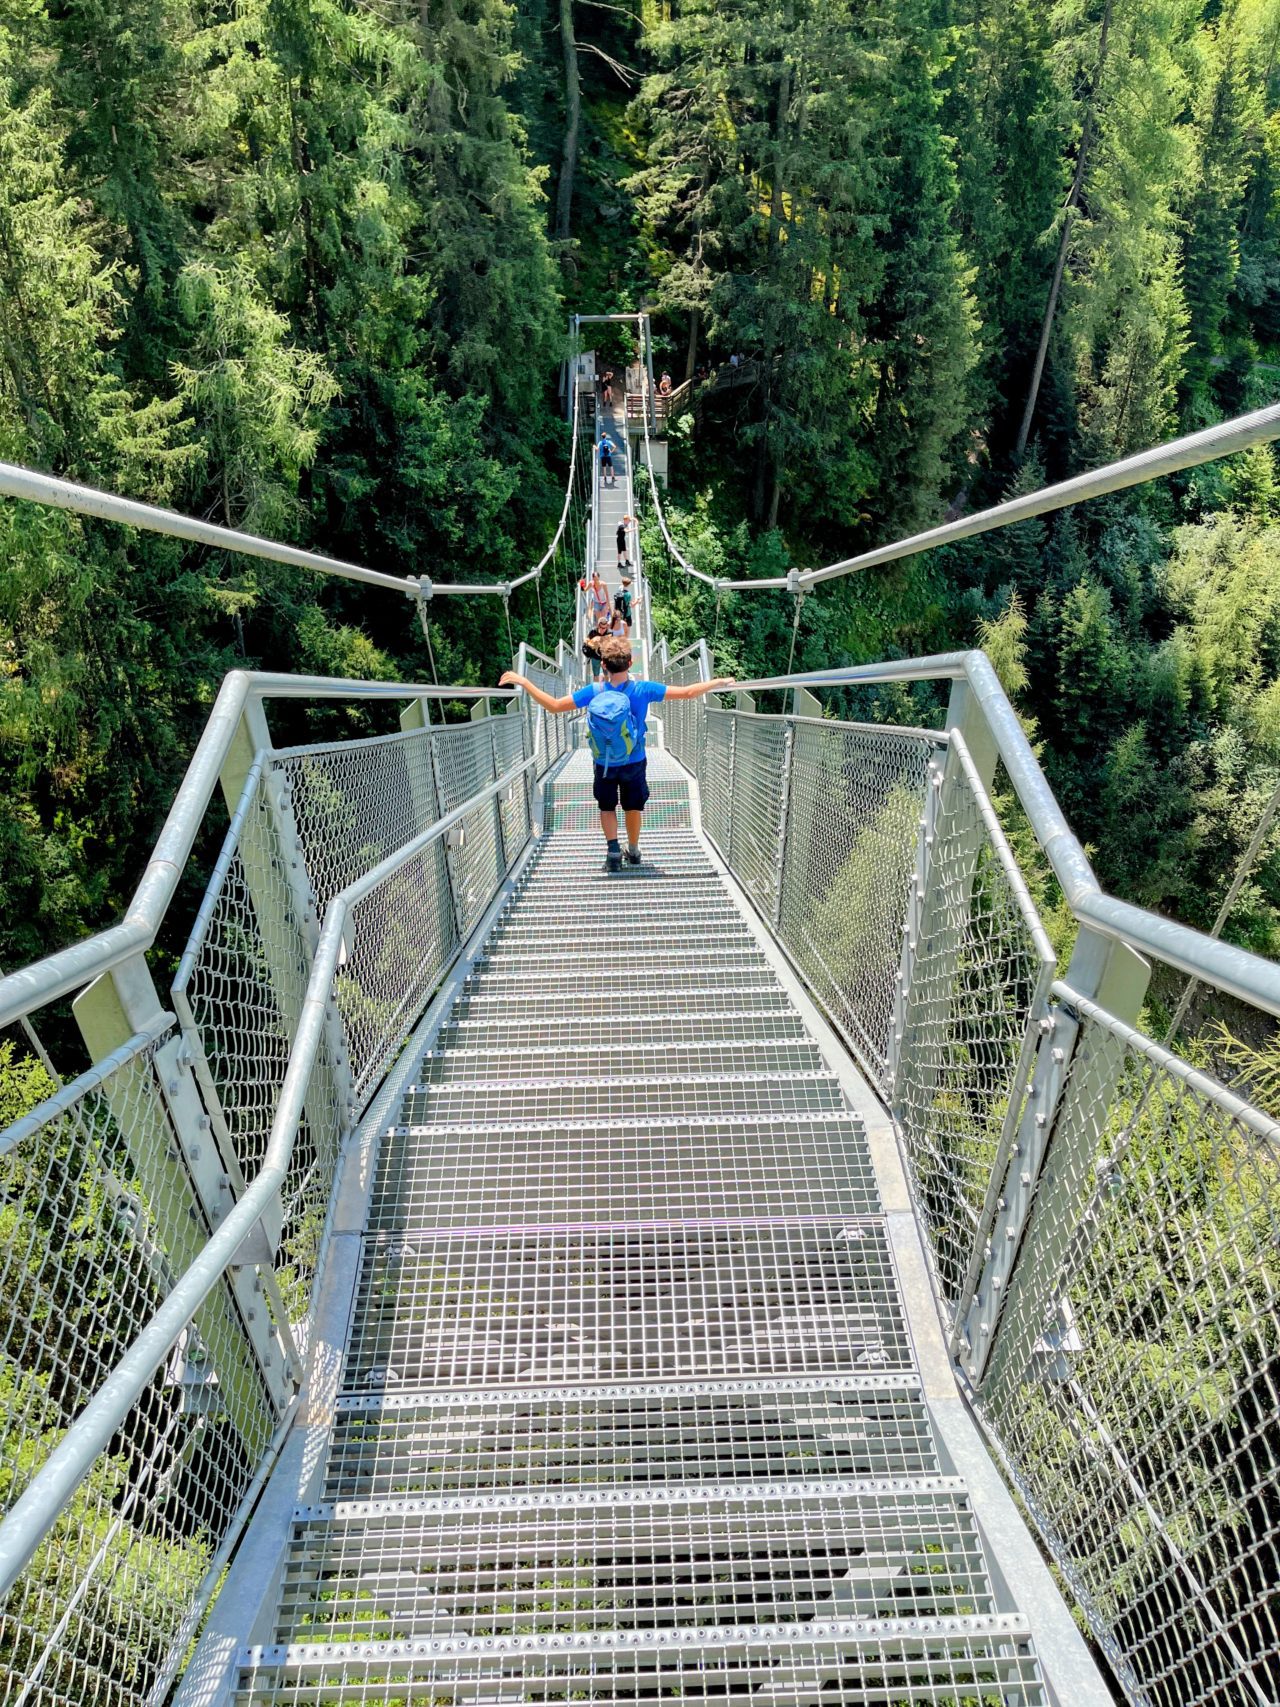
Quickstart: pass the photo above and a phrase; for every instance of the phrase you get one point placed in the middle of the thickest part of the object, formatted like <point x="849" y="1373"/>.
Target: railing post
<point x="296" y="924"/>
<point x="742" y="701"/>
<point x="450" y="849"/>
<point x="278" y="795"/>
<point x="930" y="914"/>
<point x="914" y="923"/>
<point x="784" y="818"/>
<point x="500" y="842"/>
<point x="1063" y="1119"/>
<point x="109" y="1012"/>
<point x="938" y="894"/>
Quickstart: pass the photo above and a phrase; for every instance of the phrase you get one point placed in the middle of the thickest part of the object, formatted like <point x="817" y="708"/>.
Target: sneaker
<point x="613" y="860"/>
<point x="632" y="856"/>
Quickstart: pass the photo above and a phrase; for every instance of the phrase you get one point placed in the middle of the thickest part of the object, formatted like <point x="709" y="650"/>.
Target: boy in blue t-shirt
<point x="620" y="782"/>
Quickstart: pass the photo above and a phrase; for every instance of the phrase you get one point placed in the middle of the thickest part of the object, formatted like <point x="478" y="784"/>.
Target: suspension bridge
<point x="472" y="1278"/>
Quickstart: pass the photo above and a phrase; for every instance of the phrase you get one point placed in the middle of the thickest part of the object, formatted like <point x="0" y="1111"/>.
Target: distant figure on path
<point x="664" y="385"/>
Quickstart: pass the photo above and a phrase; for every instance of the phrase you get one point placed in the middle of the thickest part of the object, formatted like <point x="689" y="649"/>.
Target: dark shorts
<point x="623" y="781"/>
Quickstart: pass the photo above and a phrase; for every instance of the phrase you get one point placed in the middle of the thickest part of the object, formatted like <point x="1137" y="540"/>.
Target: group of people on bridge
<point x="606" y="618"/>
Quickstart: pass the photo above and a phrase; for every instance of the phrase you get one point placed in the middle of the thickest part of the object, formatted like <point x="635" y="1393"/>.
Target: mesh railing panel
<point x="1136" y="1401"/>
<point x="355" y="802"/>
<point x="759" y="803"/>
<point x="856" y="799"/>
<point x="684" y="721"/>
<point x="401" y="936"/>
<point x="476" y="866"/>
<point x="464" y="762"/>
<point x="239" y="994"/>
<point x="716" y="776"/>
<point x="509" y="739"/>
<point x="978" y="968"/>
<point x="99" y="1218"/>
<point x="549" y="732"/>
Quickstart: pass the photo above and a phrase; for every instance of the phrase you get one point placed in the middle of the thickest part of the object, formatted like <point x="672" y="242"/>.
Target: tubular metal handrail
<point x="1234" y="970"/>
<point x="36" y="1510"/>
<point x="1209" y="445"/>
<point x="31" y="485"/>
<point x="58" y="974"/>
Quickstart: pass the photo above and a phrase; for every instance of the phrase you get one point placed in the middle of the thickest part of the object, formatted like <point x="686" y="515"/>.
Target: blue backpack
<point x="611" y="728"/>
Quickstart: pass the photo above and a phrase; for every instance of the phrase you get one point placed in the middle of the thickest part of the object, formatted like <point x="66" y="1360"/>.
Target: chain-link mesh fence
<point x="975" y="979"/>
<point x="820" y="821"/>
<point x="856" y="795"/>
<point x="684" y="721"/>
<point x="354" y="802"/>
<point x="99" y="1218"/>
<point x="239" y="994"/>
<point x="549" y="732"/>
<point x="101" y="1214"/>
<point x="1133" y="1389"/>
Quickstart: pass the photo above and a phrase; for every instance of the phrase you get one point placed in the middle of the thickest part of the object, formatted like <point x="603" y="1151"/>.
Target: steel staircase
<point x="630" y="1410"/>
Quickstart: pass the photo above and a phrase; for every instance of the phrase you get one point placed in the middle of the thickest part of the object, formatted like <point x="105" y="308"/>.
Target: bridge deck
<point x="630" y="1410"/>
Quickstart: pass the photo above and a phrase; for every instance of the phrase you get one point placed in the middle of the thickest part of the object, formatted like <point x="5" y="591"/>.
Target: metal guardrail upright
<point x="165" y="1213"/>
<point x="1101" y="1213"/>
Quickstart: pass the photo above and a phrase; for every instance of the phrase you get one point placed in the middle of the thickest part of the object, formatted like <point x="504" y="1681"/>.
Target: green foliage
<point x="23" y="1083"/>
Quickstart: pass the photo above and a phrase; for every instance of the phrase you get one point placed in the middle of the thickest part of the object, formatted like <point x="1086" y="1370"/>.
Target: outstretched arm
<point x="510" y="679"/>
<point x="695" y="690"/>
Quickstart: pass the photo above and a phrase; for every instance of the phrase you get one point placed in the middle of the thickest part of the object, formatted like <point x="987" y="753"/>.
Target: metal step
<point x="652" y="923"/>
<point x="658" y="814"/>
<point x="606" y="1559"/>
<point x="650" y="1304"/>
<point x="975" y="1662"/>
<point x="621" y="1105"/>
<point x="757" y="991"/>
<point x="670" y="964"/>
<point x="582" y="1060"/>
<point x="530" y="992"/>
<point x="628" y="1409"/>
<point x="660" y="913"/>
<point x="450" y="1443"/>
<point x="548" y="1175"/>
<point x="732" y="1025"/>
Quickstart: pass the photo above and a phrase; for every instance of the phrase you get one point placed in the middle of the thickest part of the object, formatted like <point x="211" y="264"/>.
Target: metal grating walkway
<point x="630" y="1410"/>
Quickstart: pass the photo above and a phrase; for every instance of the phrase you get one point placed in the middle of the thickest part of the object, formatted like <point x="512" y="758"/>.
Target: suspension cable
<point x="795" y="629"/>
<point x="426" y="629"/>
<point x="1225" y="439"/>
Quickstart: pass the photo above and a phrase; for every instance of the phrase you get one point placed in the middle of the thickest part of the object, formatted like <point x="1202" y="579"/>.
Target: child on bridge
<point x="617" y="709"/>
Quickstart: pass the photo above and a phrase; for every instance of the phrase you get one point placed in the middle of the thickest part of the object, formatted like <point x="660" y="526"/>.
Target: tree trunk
<point x="691" y="357"/>
<point x="1073" y="198"/>
<point x="572" y="121"/>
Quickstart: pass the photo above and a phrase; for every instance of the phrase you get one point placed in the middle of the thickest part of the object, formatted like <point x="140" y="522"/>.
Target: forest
<point x="304" y="267"/>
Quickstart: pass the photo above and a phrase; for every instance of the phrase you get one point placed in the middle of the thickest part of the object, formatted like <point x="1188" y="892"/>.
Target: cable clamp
<point x="793" y="582"/>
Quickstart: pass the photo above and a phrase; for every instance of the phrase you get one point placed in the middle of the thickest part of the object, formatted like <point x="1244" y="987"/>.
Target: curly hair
<point x="615" y="654"/>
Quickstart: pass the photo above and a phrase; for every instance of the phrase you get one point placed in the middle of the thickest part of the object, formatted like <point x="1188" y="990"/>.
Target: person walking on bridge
<point x="617" y="709"/>
<point x="598" y="595"/>
<point x="623" y="554"/>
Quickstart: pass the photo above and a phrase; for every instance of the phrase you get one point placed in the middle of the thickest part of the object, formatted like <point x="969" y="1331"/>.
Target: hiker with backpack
<point x="622" y="601"/>
<point x="617" y="709"/>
